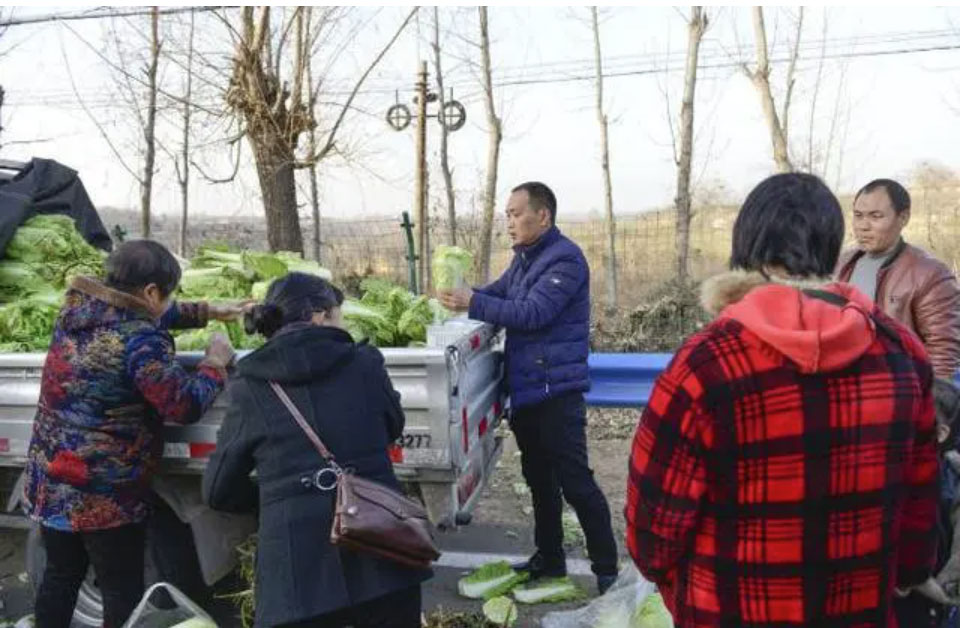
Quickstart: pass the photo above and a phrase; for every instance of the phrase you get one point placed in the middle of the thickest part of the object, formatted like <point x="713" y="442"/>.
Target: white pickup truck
<point x="453" y="396"/>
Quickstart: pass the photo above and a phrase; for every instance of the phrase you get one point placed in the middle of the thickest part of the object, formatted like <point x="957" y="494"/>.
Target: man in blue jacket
<point x="543" y="300"/>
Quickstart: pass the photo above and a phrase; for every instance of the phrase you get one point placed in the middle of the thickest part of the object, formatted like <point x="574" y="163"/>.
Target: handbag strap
<point x="302" y="422"/>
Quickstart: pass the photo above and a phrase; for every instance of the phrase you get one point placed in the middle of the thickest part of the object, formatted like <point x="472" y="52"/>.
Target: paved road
<point x="463" y="549"/>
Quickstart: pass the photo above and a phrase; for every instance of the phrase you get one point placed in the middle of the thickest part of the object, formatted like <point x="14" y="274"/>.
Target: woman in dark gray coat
<point x="343" y="390"/>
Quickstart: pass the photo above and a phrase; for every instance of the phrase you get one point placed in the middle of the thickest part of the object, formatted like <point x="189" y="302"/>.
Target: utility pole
<point x="420" y="188"/>
<point x="452" y="115"/>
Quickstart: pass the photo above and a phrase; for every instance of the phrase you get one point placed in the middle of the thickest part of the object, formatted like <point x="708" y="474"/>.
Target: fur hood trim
<point x="728" y="288"/>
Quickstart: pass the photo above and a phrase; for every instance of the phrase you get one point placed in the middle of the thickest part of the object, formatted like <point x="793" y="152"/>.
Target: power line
<point x="712" y="47"/>
<point x="97" y="15"/>
<point x="648" y="65"/>
<point x="639" y="65"/>
<point x="728" y="64"/>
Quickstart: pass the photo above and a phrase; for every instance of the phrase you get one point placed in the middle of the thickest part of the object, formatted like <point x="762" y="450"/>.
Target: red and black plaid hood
<point x="816" y="335"/>
<point x="770" y="487"/>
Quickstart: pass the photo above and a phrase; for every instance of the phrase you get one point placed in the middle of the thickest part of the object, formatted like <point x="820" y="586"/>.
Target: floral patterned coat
<point x="109" y="383"/>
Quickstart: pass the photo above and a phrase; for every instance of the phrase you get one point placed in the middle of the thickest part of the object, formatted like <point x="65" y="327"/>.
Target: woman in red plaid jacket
<point x="784" y="472"/>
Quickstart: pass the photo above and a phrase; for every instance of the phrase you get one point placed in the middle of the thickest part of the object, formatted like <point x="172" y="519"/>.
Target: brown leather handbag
<point x="368" y="516"/>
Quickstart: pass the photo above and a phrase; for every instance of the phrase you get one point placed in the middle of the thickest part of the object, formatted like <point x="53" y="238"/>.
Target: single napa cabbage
<point x="500" y="611"/>
<point x="296" y="263"/>
<point x="450" y="267"/>
<point x="548" y="590"/>
<point x="264" y="265"/>
<point x="214" y="283"/>
<point x="490" y="580"/>
<point x="365" y="322"/>
<point x="252" y="265"/>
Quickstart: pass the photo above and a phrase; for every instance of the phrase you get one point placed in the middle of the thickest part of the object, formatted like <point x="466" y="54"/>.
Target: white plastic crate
<point x="450" y="331"/>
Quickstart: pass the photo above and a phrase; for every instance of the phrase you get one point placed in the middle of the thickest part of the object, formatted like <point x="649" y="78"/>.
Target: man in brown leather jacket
<point x="905" y="281"/>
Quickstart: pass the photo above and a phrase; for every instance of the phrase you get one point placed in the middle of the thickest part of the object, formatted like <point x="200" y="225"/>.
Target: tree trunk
<point x="146" y="185"/>
<point x="184" y="177"/>
<point x="275" y="171"/>
<point x="275" y="117"/>
<point x="762" y="83"/>
<point x="682" y="200"/>
<point x="444" y="158"/>
<point x="312" y="143"/>
<point x="609" y="225"/>
<point x="493" y="154"/>
<point x="275" y="113"/>
<point x="315" y="203"/>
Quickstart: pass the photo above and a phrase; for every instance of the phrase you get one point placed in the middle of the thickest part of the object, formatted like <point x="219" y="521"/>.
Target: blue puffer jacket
<point x="543" y="300"/>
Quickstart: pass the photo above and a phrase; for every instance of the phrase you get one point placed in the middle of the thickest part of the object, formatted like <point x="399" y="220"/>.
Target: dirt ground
<point x="506" y="501"/>
<point x="505" y="508"/>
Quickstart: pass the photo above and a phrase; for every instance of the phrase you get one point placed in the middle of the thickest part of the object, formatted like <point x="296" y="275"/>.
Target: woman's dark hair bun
<point x="294" y="298"/>
<point x="266" y="319"/>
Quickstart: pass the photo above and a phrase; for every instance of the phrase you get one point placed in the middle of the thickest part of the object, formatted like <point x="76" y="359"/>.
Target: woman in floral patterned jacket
<point x="109" y="383"/>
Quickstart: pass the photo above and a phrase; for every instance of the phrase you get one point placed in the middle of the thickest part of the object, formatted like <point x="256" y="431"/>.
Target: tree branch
<point x="259" y="36"/>
<point x="134" y="78"/>
<point x="93" y="119"/>
<point x="220" y="180"/>
<point x="790" y="73"/>
<point x="332" y="136"/>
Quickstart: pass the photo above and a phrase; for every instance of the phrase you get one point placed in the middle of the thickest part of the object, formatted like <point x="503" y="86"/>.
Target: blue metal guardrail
<point x="623" y="380"/>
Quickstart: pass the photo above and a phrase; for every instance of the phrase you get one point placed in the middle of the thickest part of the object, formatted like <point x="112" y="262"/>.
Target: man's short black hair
<point x="541" y="197"/>
<point x="138" y="263"/>
<point x="900" y="199"/>
<point x="792" y="221"/>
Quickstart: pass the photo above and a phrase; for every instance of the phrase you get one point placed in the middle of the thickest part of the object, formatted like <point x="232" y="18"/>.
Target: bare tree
<point x="495" y="135"/>
<point x="150" y="127"/>
<point x="761" y="79"/>
<point x="276" y="113"/>
<point x="130" y="90"/>
<point x="183" y="169"/>
<point x="274" y="119"/>
<point x="444" y="157"/>
<point x="609" y="225"/>
<point x="682" y="200"/>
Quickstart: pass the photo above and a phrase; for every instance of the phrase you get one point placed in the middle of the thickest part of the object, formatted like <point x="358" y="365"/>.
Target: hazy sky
<point x="878" y="112"/>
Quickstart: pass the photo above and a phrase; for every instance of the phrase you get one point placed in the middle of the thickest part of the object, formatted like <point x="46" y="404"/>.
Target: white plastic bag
<point x="184" y="614"/>
<point x="615" y="609"/>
